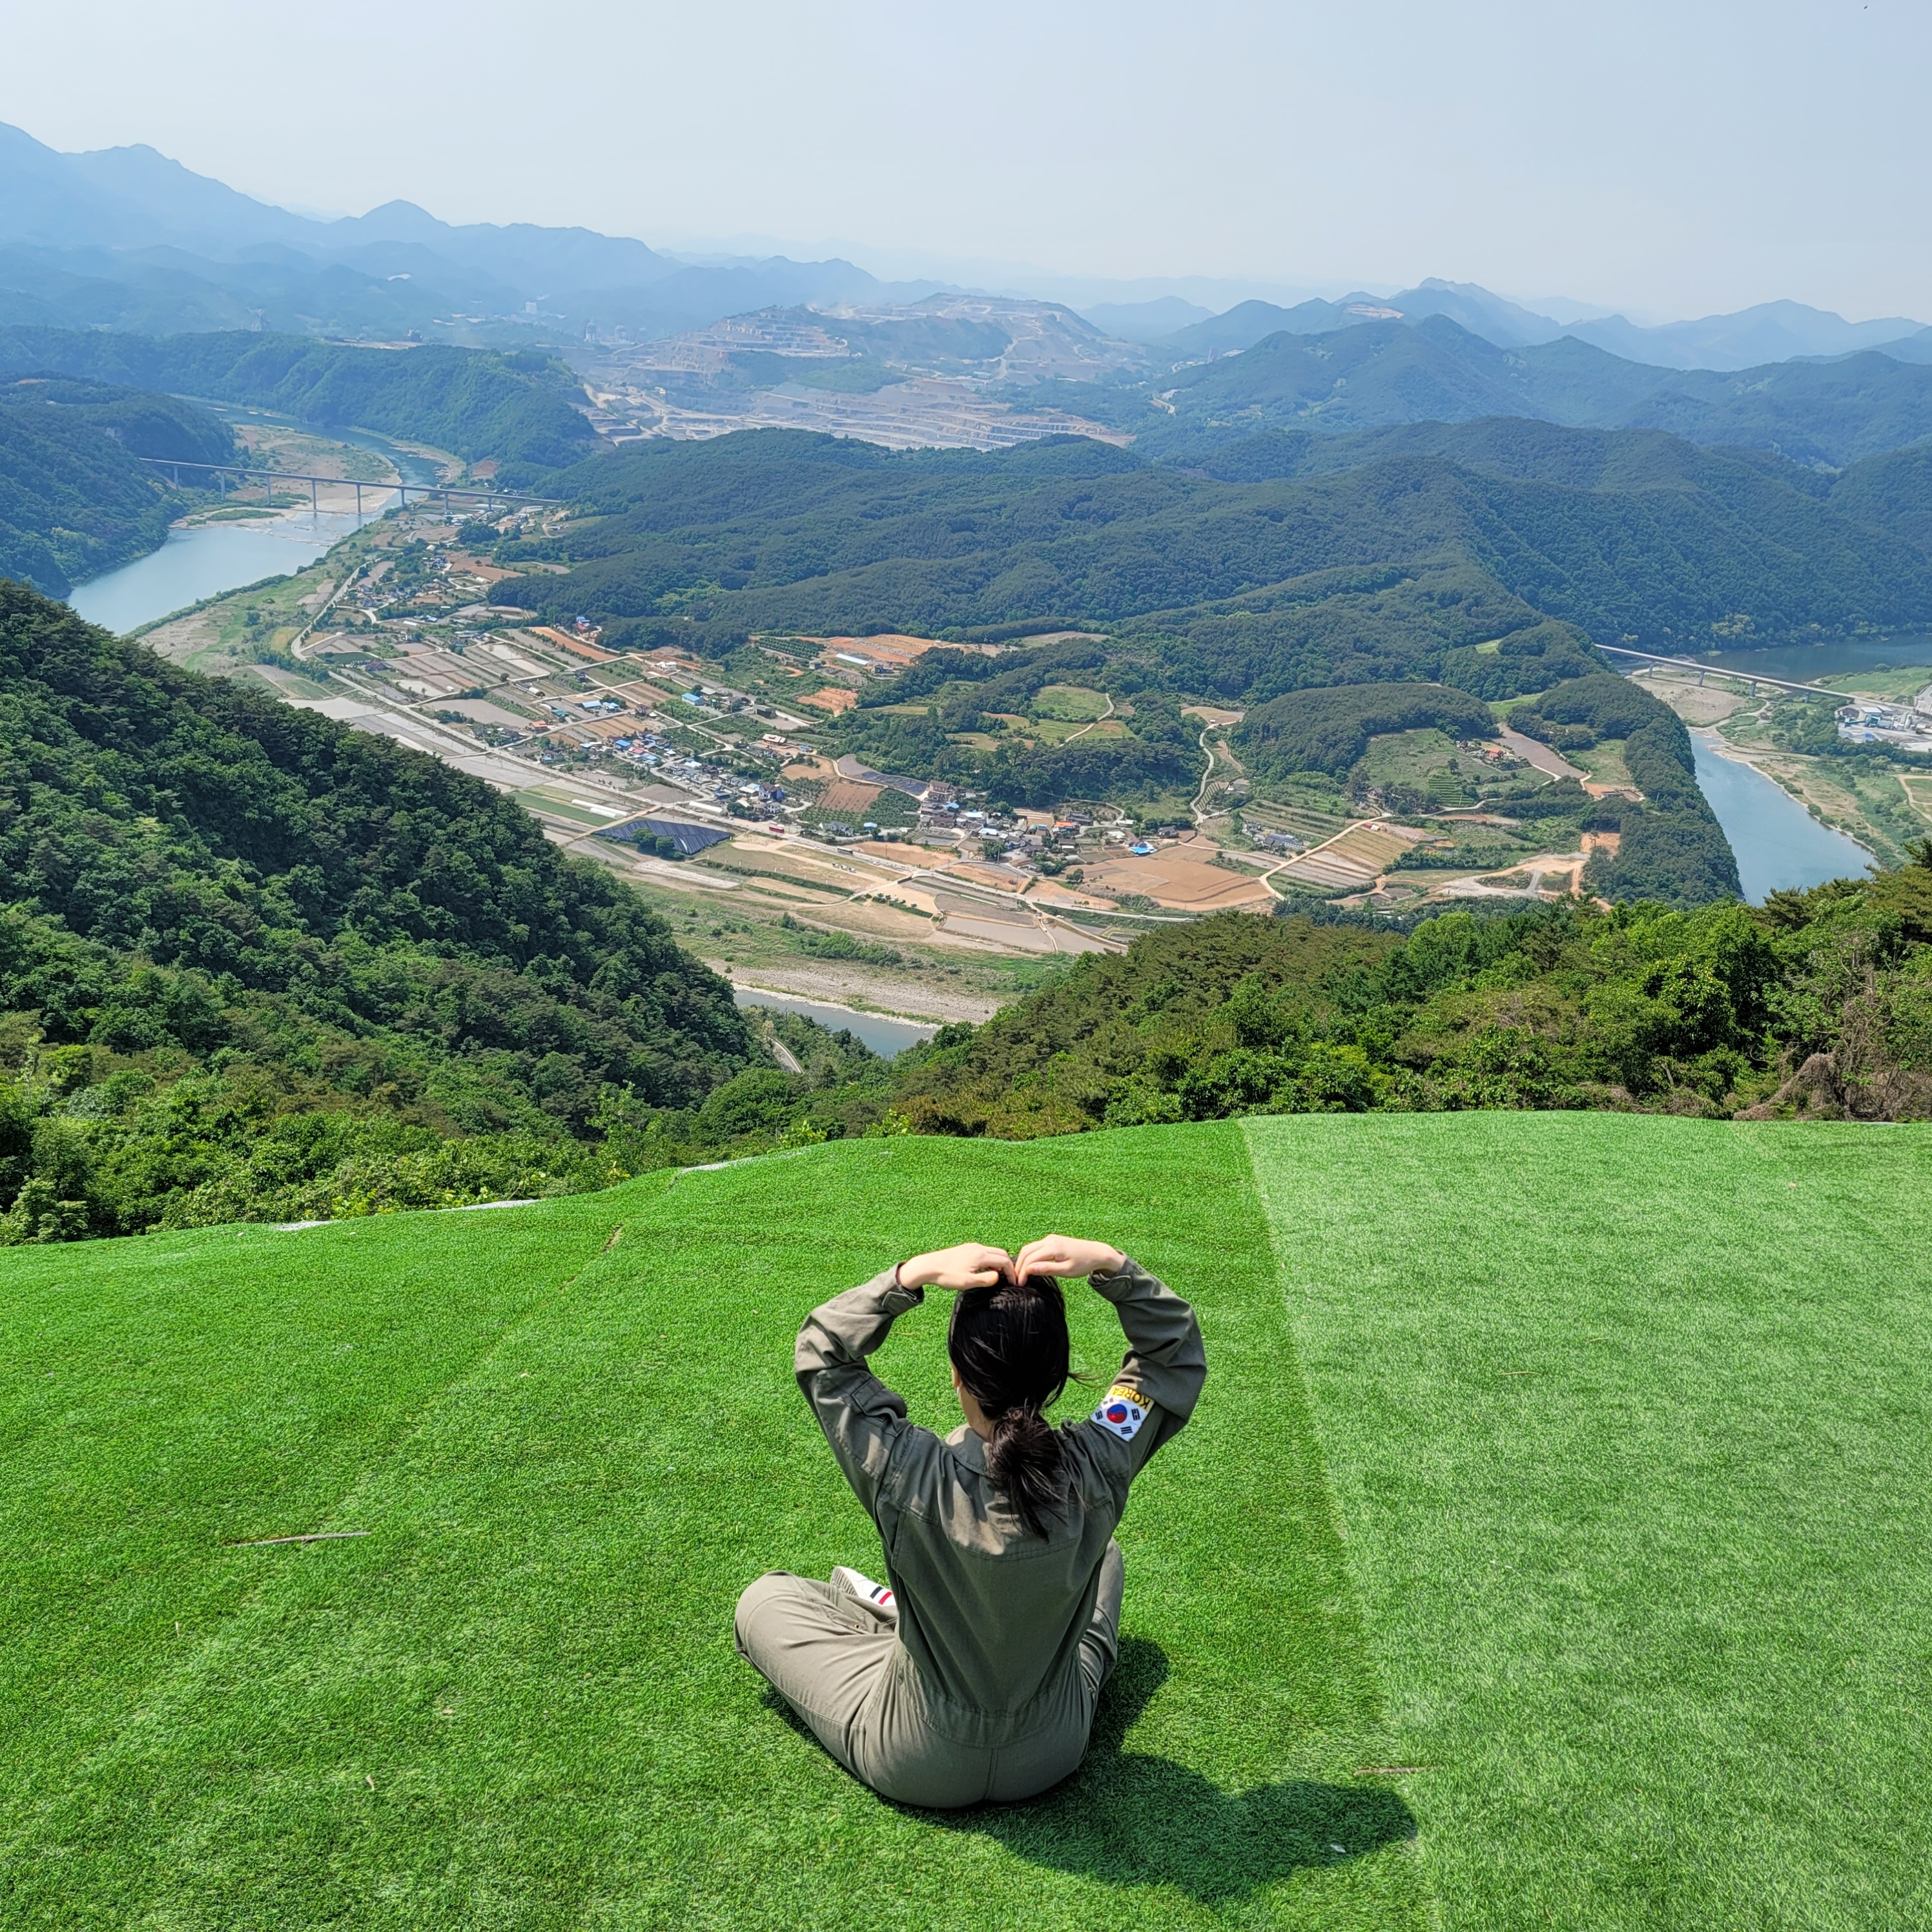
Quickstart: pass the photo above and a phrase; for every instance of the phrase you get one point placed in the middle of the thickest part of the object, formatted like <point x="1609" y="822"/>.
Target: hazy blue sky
<point x="1670" y="159"/>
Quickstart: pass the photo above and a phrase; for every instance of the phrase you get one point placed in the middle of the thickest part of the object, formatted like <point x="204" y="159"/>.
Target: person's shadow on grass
<point x="1129" y="1819"/>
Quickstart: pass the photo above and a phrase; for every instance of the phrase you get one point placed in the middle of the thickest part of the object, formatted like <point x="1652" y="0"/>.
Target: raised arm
<point x="859" y="1415"/>
<point x="1160" y="1377"/>
<point x="1165" y="1361"/>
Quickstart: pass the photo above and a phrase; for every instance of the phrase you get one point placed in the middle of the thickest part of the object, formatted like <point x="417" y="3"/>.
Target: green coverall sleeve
<point x="1164" y="1360"/>
<point x="860" y="1416"/>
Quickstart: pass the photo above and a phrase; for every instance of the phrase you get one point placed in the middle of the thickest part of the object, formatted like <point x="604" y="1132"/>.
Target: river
<point x="1780" y="845"/>
<point x="209" y="559"/>
<point x="885" y="1033"/>
<point x="1804" y="664"/>
<point x="206" y="560"/>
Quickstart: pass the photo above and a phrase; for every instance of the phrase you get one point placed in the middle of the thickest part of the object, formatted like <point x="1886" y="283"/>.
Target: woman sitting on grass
<point x="974" y="1673"/>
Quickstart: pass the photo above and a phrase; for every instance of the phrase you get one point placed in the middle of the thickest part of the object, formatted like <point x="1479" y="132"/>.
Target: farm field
<point x="1183" y="876"/>
<point x="1578" y="1459"/>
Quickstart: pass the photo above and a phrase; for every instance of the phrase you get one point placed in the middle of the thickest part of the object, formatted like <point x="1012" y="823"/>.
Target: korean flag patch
<point x="1123" y="1411"/>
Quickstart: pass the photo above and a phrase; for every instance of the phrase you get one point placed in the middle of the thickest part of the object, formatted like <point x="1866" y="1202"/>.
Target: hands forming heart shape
<point x="973" y="1264"/>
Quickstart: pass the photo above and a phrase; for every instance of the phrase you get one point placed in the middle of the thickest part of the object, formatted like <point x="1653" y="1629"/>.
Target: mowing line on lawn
<point x="232" y="1606"/>
<point x="1287" y="1267"/>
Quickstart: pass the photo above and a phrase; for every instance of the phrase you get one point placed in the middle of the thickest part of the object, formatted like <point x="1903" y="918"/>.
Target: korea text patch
<point x="1123" y="1411"/>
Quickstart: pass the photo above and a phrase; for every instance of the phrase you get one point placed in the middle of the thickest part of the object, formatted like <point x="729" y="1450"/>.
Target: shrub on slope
<point x="1821" y="1003"/>
<point x="208" y="883"/>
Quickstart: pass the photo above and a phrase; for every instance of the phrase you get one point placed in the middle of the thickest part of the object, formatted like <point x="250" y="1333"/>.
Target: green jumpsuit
<point x="984" y="1683"/>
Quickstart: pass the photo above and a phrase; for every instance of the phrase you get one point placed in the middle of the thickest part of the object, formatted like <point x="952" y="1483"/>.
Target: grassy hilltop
<point x="1575" y="1463"/>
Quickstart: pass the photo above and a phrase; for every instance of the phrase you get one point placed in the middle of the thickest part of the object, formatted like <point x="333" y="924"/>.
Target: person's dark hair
<point x="1009" y="1343"/>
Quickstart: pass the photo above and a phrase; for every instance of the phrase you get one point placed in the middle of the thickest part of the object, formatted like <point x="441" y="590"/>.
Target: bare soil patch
<point x="1182" y="878"/>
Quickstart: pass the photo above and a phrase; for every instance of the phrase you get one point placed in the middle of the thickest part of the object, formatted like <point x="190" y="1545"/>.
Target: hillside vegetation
<point x="1488" y="557"/>
<point x="1633" y="538"/>
<point x="1329" y="730"/>
<point x="1670" y="847"/>
<point x="1820" y="1005"/>
<point x="255" y="965"/>
<point x="75" y="499"/>
<point x="518" y="408"/>
<point x="1489" y="1586"/>
<point x="1667" y="848"/>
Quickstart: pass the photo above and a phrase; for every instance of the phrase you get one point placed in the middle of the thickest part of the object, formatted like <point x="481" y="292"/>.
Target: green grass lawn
<point x="1653" y="1613"/>
<point x="1630" y="1424"/>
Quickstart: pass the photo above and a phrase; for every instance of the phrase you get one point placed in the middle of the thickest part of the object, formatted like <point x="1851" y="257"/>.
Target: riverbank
<point x="200" y="563"/>
<point x="830" y="984"/>
<point x="235" y="543"/>
<point x="1801" y="819"/>
<point x="1780" y="845"/>
<point x="887" y="1035"/>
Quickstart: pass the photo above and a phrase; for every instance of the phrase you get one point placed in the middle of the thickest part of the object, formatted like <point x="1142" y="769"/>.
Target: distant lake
<point x="887" y="1036"/>
<point x="1780" y="846"/>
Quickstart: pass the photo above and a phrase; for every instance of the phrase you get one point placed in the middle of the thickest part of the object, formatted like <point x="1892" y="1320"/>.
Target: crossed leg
<point x="819" y="1648"/>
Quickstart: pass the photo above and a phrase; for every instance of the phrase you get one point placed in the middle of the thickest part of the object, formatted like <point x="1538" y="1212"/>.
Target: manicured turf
<point x="1627" y="1433"/>
<point x="1630" y="1423"/>
<point x="515" y="1702"/>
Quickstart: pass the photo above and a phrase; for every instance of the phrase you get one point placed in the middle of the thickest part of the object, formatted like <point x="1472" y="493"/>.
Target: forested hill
<point x="1629" y="536"/>
<point x="75" y="499"/>
<point x="1818" y="1004"/>
<point x="252" y="960"/>
<point x="1379" y="374"/>
<point x="520" y="410"/>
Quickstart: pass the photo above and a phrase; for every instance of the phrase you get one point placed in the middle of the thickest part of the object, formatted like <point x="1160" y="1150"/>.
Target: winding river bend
<point x="1779" y="844"/>
<point x="207" y="560"/>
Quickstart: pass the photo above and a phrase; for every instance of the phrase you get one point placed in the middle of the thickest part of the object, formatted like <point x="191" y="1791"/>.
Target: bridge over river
<point x="244" y="474"/>
<point x="1753" y="678"/>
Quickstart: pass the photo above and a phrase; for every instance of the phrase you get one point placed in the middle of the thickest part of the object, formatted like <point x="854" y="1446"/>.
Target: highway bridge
<point x="268" y="478"/>
<point x="1753" y="678"/>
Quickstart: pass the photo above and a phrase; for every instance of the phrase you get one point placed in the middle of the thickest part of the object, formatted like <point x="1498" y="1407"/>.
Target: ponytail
<point x="1010" y="1344"/>
<point x="1026" y="1458"/>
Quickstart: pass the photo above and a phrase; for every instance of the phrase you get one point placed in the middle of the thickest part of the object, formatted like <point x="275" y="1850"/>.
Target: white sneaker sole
<point x="876" y="1597"/>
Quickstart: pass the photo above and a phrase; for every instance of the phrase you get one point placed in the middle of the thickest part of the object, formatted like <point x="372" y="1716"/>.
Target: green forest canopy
<point x="1328" y="731"/>
<point x="1819" y="1003"/>
<point x="75" y="498"/>
<point x="245" y="947"/>
<point x="520" y="408"/>
<point x="1625" y="536"/>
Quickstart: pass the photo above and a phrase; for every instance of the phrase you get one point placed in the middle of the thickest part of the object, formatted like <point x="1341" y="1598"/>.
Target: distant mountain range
<point x="1772" y="332"/>
<point x="125" y="238"/>
<point x="1381" y="373"/>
